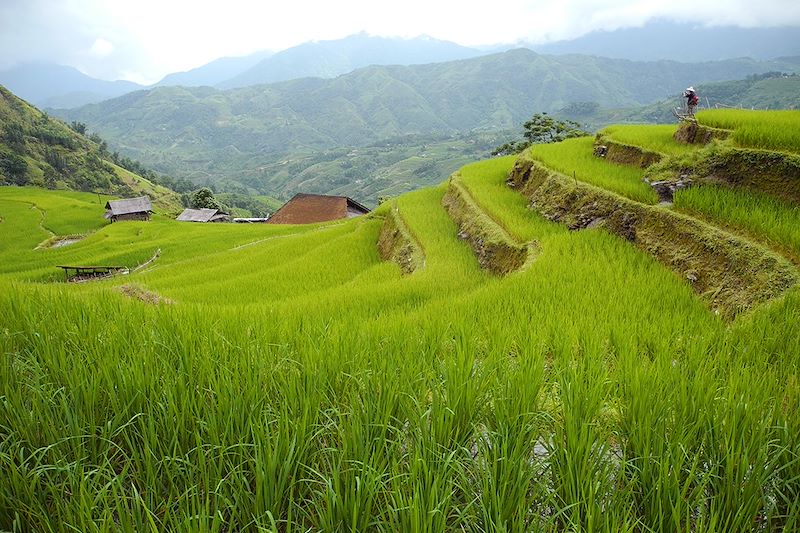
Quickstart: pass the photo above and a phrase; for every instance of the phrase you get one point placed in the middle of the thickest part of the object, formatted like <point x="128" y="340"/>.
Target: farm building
<point x="129" y="209"/>
<point x="203" y="215"/>
<point x="308" y="208"/>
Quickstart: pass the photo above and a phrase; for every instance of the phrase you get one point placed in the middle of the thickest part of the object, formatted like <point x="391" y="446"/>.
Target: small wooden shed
<point x="309" y="208"/>
<point x="203" y="215"/>
<point x="129" y="209"/>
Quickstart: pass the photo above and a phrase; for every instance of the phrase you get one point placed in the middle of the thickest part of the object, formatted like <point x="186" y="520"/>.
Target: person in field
<point x="691" y="99"/>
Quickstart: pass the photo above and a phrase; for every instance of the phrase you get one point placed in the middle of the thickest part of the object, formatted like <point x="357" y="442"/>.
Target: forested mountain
<point x="327" y="59"/>
<point x="36" y="149"/>
<point x="215" y="136"/>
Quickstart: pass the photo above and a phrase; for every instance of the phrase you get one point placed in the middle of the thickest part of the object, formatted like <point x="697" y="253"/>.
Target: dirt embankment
<point x="690" y="132"/>
<point x="624" y="154"/>
<point x="495" y="250"/>
<point x="396" y="243"/>
<point x="730" y="273"/>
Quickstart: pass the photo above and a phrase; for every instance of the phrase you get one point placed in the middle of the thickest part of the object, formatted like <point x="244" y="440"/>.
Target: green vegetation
<point x="574" y="158"/>
<point x="773" y="130"/>
<point x="541" y="129"/>
<point x="775" y="221"/>
<point x="36" y="149"/>
<point x="284" y="378"/>
<point x="384" y="169"/>
<point x="657" y="138"/>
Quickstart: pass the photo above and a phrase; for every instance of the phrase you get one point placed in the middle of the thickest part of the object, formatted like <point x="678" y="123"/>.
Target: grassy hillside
<point x="36" y="149"/>
<point x="283" y="378"/>
<point x="238" y="136"/>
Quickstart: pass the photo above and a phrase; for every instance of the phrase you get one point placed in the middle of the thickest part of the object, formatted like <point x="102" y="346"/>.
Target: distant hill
<point x="50" y="85"/>
<point x="328" y="59"/>
<point x="214" y="72"/>
<point x="683" y="42"/>
<point x="36" y="149"/>
<point x="236" y="136"/>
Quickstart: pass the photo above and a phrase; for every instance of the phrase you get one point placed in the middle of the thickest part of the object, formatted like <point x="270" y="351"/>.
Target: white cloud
<point x="101" y="48"/>
<point x="154" y="37"/>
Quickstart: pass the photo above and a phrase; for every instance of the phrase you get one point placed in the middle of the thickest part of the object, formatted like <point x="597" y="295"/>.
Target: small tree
<point x="541" y="129"/>
<point x="203" y="198"/>
<point x="14" y="167"/>
<point x="78" y="127"/>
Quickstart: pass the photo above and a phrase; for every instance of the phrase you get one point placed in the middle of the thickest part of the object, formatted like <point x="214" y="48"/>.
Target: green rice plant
<point x="486" y="182"/>
<point x="762" y="216"/>
<point x="656" y="138"/>
<point x="508" y="465"/>
<point x="575" y="158"/>
<point x="580" y="460"/>
<point x="769" y="130"/>
<point x="661" y="439"/>
<point x="62" y="212"/>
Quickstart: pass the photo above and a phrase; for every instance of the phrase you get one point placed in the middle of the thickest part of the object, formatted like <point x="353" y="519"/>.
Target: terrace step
<point x="774" y="173"/>
<point x="496" y="251"/>
<point x="396" y="243"/>
<point x="731" y="273"/>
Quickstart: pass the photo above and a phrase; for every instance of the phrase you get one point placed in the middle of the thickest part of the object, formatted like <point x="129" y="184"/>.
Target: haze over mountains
<point x="57" y="86"/>
<point x="328" y="59"/>
<point x="682" y="42"/>
<point x="48" y="85"/>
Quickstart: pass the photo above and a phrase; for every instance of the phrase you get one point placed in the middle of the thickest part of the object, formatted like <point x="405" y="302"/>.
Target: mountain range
<point x="49" y="85"/>
<point x="328" y="59"/>
<point x="57" y="86"/>
<point x="689" y="43"/>
<point x="234" y="136"/>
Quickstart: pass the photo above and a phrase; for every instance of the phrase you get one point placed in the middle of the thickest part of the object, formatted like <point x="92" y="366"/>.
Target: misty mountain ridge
<point x="50" y="85"/>
<point x="662" y="39"/>
<point x="328" y="59"/>
<point x="214" y="72"/>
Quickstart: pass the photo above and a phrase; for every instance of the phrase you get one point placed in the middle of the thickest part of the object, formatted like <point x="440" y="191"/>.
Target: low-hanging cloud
<point x="147" y="39"/>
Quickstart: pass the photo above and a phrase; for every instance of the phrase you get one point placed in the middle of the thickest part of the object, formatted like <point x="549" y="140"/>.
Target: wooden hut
<point x="129" y="209"/>
<point x="203" y="215"/>
<point x="308" y="208"/>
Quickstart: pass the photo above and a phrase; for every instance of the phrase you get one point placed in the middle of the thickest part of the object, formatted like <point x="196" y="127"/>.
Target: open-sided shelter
<point x="308" y="208"/>
<point x="203" y="215"/>
<point x="129" y="209"/>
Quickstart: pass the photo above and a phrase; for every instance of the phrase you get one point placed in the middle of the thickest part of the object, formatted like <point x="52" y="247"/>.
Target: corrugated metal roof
<point x="130" y="205"/>
<point x="309" y="208"/>
<point x="201" y="215"/>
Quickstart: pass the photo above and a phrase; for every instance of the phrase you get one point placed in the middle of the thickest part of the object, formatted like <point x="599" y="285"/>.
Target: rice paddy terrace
<point x="558" y="341"/>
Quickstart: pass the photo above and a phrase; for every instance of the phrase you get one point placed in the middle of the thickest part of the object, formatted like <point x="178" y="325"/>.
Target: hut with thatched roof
<point x="203" y="215"/>
<point x="129" y="209"/>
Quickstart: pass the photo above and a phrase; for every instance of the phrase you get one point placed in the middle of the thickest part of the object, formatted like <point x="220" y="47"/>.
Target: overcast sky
<point x="143" y="40"/>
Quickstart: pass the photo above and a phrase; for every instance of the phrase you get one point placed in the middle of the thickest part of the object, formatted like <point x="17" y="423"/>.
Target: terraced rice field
<point x="284" y="378"/>
<point x="771" y="130"/>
